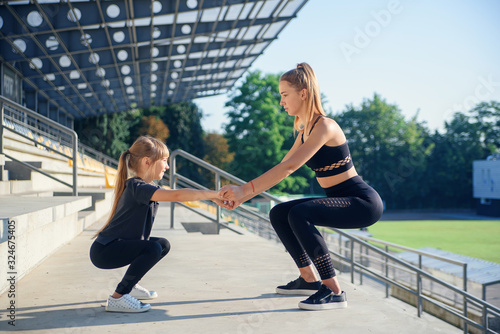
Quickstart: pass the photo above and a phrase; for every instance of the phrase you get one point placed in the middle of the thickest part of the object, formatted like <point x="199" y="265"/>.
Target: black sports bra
<point x="329" y="160"/>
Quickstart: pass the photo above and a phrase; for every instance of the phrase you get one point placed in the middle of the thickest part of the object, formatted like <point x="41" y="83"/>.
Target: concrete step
<point x="32" y="228"/>
<point x="102" y="201"/>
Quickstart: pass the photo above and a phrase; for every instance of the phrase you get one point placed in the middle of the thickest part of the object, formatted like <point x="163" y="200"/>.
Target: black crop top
<point x="330" y="160"/>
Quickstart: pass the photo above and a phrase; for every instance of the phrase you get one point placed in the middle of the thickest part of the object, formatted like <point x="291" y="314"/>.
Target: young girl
<point x="125" y="238"/>
<point x="349" y="202"/>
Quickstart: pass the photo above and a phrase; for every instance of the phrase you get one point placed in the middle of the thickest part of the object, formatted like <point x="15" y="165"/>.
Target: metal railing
<point x="176" y="179"/>
<point x="356" y="264"/>
<point x="485" y="308"/>
<point x="15" y="117"/>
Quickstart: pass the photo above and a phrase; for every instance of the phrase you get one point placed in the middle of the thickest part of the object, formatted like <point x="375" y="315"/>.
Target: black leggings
<point x="350" y="204"/>
<point x="142" y="255"/>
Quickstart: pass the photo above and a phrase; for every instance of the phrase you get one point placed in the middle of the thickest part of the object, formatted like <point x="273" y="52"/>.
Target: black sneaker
<point x="324" y="299"/>
<point x="298" y="287"/>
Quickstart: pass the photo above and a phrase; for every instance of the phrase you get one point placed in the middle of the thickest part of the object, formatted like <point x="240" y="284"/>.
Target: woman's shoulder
<point x="328" y="124"/>
<point x="333" y="130"/>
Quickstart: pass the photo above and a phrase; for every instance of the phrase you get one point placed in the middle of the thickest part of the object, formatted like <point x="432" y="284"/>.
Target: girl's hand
<point x="224" y="204"/>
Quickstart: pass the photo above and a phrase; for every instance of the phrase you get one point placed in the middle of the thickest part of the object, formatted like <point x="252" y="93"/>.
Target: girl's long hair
<point x="144" y="146"/>
<point x="303" y="77"/>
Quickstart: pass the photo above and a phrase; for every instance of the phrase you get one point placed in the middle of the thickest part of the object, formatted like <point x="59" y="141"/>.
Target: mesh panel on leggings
<point x="303" y="261"/>
<point x="335" y="202"/>
<point x="324" y="266"/>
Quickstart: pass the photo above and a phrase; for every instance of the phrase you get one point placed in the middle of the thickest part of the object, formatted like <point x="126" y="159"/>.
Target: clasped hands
<point x="229" y="197"/>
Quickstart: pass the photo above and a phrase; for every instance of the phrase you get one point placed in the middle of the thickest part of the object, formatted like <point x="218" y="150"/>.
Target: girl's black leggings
<point x="142" y="255"/>
<point x="350" y="204"/>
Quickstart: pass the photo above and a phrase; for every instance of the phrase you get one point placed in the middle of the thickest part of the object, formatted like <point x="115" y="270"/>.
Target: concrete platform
<point x="207" y="284"/>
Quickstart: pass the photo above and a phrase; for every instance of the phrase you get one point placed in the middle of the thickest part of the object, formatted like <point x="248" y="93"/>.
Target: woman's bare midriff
<point x="330" y="181"/>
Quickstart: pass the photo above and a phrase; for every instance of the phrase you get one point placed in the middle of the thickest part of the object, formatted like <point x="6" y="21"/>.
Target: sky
<point x="428" y="57"/>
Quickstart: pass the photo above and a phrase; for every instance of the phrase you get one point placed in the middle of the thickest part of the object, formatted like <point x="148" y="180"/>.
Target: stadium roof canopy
<point x="94" y="56"/>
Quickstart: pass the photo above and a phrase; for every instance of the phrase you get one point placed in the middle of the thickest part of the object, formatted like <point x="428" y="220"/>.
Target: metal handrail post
<point x="419" y="288"/>
<point x="75" y="163"/>
<point x="386" y="272"/>
<point x="352" y="260"/>
<point x="466" y="325"/>
<point x="217" y="187"/>
<point x="361" y="261"/>
<point x="172" y="186"/>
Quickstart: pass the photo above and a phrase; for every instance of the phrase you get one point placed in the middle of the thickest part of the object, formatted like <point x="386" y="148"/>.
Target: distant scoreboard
<point x="486" y="179"/>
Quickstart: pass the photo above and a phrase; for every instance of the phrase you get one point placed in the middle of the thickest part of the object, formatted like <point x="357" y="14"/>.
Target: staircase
<point x="39" y="215"/>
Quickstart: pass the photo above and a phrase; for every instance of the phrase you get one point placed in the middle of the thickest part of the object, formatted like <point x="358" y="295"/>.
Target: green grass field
<point x="475" y="238"/>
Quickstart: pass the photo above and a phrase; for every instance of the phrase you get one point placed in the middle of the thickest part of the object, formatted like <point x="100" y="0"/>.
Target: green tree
<point x="487" y="116"/>
<point x="467" y="137"/>
<point x="259" y="133"/>
<point x="388" y="151"/>
<point x="184" y="123"/>
<point x="107" y="133"/>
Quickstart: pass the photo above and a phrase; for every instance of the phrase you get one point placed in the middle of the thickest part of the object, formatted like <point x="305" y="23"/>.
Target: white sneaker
<point x="127" y="304"/>
<point x="142" y="293"/>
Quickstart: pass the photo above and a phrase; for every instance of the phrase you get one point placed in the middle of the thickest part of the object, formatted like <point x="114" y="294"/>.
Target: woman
<point x="349" y="202"/>
<point x="125" y="238"/>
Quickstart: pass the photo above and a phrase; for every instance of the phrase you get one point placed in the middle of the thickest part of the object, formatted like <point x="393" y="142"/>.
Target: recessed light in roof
<point x="125" y="70"/>
<point x="34" y="19"/>
<point x="174" y="75"/>
<point x="101" y="72"/>
<point x="74" y="75"/>
<point x="181" y="49"/>
<point x="119" y="36"/>
<point x="155" y="52"/>
<point x="86" y="39"/>
<point x="186" y="29"/>
<point x="64" y="61"/>
<point x="113" y="11"/>
<point x="51" y="43"/>
<point x="172" y="85"/>
<point x="154" y="78"/>
<point x="177" y="63"/>
<point x="74" y="15"/>
<point x="154" y="88"/>
<point x="82" y="86"/>
<point x="154" y="66"/>
<point x="130" y="90"/>
<point x="127" y="81"/>
<point x="94" y="58"/>
<point x="122" y="55"/>
<point x="191" y="4"/>
<point x="105" y="83"/>
<point x="157" y="6"/>
<point x="20" y="44"/>
<point x="156" y="32"/>
<point x="36" y="63"/>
